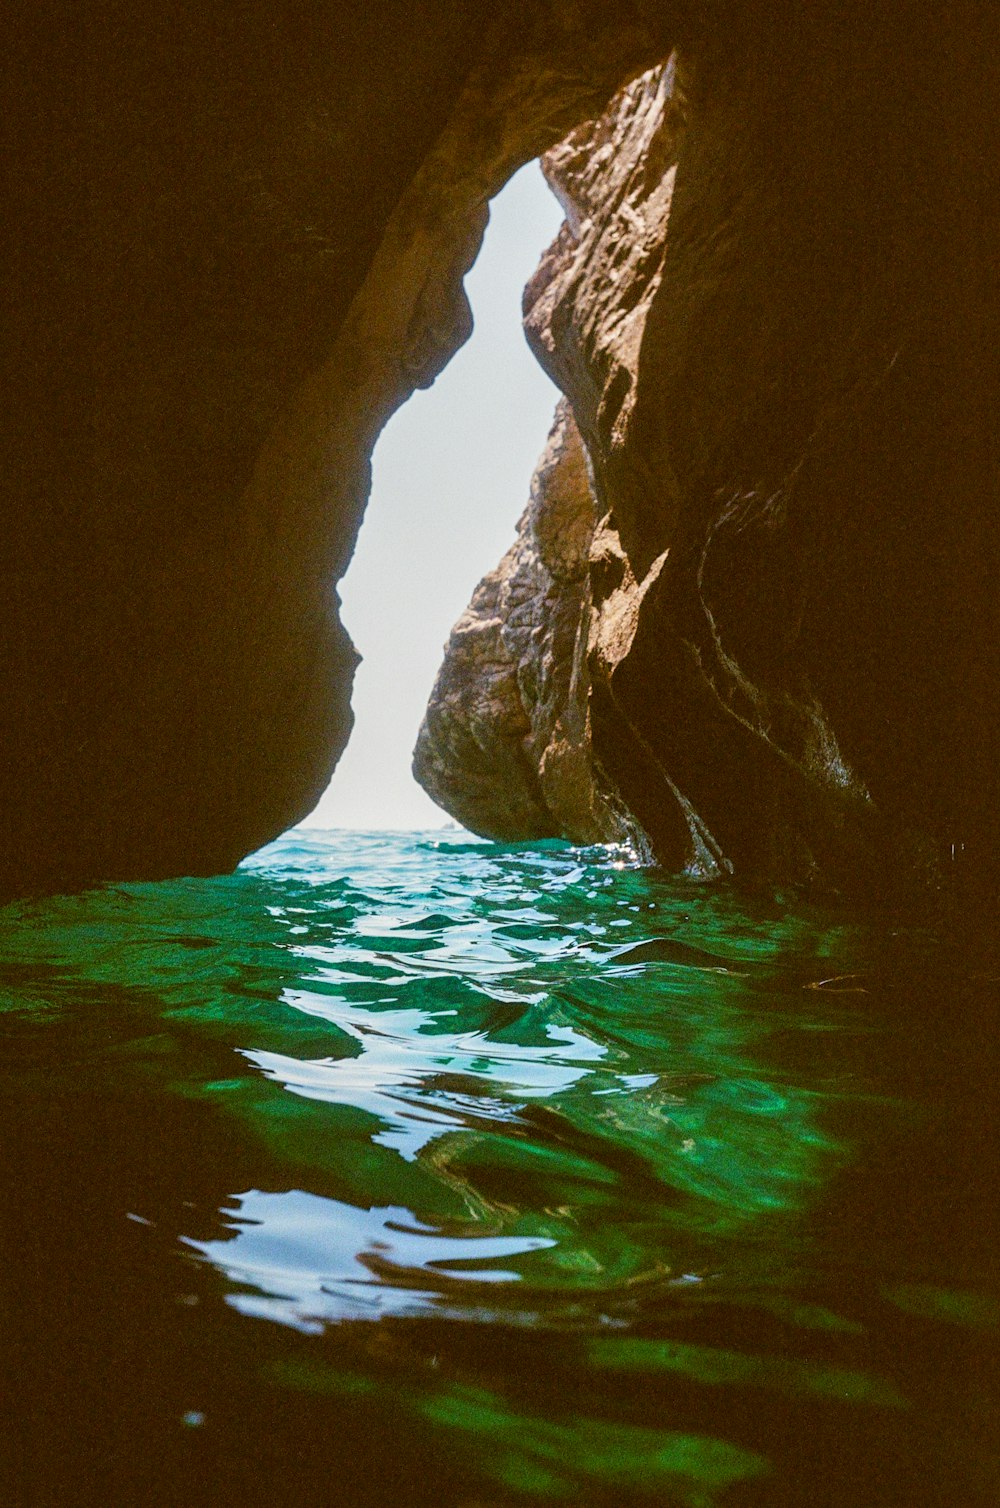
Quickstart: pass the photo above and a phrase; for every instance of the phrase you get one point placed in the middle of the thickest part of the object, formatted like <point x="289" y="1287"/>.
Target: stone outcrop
<point x="240" y="234"/>
<point x="505" y="746"/>
<point x="773" y="309"/>
<point x="770" y="310"/>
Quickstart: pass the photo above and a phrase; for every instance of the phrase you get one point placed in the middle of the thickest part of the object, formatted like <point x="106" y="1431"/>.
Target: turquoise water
<point x="406" y="1169"/>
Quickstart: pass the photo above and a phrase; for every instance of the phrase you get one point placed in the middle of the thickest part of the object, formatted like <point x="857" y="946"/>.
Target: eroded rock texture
<point x="240" y="233"/>
<point x="505" y="746"/>
<point x="774" y="310"/>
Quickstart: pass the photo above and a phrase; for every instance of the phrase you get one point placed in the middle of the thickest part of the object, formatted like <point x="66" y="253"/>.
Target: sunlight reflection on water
<point x="644" y="1182"/>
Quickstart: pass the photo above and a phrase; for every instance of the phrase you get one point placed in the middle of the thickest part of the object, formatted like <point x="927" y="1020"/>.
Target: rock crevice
<point x="505" y="745"/>
<point x="241" y="241"/>
<point x="773" y="311"/>
<point x="769" y="311"/>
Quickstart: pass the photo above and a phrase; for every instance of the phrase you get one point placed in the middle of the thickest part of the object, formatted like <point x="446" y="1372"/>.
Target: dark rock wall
<point x="816" y="666"/>
<point x="777" y="328"/>
<point x="235" y="241"/>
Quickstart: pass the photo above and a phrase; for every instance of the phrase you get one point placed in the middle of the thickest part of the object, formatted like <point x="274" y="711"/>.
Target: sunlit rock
<point x="240" y="242"/>
<point x="239" y="239"/>
<point x="770" y="311"/>
<point x="505" y="744"/>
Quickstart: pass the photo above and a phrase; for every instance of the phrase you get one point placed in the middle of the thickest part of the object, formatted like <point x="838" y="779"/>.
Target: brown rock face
<point x="505" y="745"/>
<point x="240" y="237"/>
<point x="774" y="310"/>
<point x="771" y="310"/>
<point x="816" y="665"/>
<point x="587" y="305"/>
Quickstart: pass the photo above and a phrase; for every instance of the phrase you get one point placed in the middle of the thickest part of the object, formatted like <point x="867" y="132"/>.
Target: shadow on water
<point x="395" y="1169"/>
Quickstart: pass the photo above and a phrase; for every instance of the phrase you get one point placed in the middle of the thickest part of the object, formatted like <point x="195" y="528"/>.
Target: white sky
<point x="451" y="476"/>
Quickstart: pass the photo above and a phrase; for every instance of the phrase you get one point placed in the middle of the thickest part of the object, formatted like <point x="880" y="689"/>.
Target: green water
<point x="406" y="1169"/>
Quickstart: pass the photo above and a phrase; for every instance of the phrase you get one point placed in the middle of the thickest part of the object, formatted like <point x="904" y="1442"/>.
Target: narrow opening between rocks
<point x="451" y="475"/>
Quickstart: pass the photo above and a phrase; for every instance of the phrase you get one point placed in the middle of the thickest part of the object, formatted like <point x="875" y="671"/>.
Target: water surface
<point x="407" y="1169"/>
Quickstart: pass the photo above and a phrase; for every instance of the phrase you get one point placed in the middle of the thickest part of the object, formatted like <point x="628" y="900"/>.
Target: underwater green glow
<point x="539" y="1175"/>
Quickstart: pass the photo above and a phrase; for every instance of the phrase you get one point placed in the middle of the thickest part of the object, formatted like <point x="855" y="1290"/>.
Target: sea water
<point x="408" y="1169"/>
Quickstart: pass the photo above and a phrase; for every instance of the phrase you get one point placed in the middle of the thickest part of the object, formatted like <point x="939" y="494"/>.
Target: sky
<point x="451" y="474"/>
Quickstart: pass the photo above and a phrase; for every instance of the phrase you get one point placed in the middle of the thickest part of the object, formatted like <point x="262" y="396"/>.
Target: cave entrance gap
<point x="451" y="474"/>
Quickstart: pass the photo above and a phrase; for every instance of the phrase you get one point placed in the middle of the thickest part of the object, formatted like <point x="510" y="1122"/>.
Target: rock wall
<point x="505" y="745"/>
<point x="772" y="308"/>
<point x="816" y="666"/>
<point x="239" y="237"/>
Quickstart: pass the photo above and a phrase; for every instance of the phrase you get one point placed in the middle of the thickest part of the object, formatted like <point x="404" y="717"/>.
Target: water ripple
<point x="645" y="1182"/>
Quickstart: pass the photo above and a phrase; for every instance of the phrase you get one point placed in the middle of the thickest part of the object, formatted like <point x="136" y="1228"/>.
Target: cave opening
<point x="450" y="477"/>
